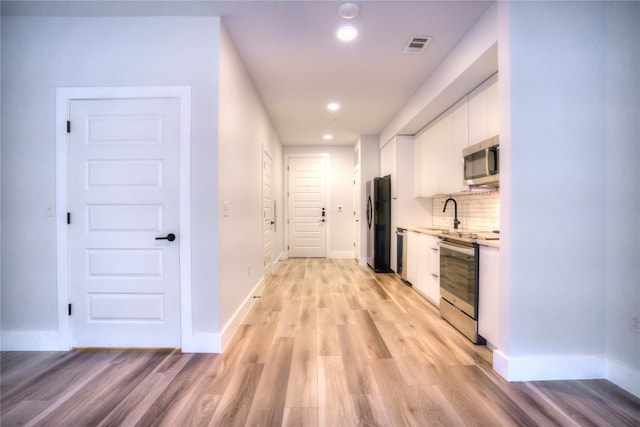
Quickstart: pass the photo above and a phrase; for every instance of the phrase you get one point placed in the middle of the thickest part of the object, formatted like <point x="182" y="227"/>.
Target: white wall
<point x="623" y="194"/>
<point x="42" y="53"/>
<point x="573" y="96"/>
<point x="340" y="236"/>
<point x="557" y="114"/>
<point x="245" y="129"/>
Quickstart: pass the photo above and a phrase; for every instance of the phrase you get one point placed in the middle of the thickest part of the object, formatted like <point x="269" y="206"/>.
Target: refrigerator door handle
<point x="369" y="212"/>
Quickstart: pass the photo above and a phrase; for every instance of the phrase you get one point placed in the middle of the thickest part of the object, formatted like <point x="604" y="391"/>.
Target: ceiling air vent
<point x="417" y="44"/>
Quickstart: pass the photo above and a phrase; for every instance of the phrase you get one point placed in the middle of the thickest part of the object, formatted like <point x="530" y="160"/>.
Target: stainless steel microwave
<point x="482" y="163"/>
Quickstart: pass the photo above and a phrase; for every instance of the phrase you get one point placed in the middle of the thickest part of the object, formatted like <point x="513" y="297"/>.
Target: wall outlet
<point x="635" y="323"/>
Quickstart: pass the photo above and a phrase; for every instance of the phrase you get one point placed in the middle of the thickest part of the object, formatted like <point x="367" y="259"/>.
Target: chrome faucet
<point x="455" y="211"/>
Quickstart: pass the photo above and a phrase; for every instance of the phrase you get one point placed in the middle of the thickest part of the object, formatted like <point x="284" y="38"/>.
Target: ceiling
<point x="297" y="63"/>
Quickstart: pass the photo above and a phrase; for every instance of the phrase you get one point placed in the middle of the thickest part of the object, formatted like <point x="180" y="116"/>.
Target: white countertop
<point x="484" y="237"/>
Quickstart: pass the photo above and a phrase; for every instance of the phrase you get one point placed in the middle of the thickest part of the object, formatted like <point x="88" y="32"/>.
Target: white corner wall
<point x="623" y="194"/>
<point x="245" y="131"/>
<point x="570" y="283"/>
<point x="557" y="285"/>
<point x="40" y="54"/>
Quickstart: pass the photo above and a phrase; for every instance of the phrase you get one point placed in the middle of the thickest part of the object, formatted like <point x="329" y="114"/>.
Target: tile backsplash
<point x="476" y="211"/>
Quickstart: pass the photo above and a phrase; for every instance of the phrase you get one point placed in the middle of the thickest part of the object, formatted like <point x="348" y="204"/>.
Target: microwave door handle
<point x="492" y="168"/>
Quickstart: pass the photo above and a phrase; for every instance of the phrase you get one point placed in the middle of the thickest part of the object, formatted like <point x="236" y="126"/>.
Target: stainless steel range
<point x="459" y="282"/>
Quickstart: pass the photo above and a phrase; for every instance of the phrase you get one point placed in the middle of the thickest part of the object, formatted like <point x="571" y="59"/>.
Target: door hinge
<point x="68" y="126"/>
<point x="69" y="309"/>
<point x="68" y="218"/>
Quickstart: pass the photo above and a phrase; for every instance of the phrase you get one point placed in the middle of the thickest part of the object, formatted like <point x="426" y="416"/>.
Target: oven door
<point x="458" y="276"/>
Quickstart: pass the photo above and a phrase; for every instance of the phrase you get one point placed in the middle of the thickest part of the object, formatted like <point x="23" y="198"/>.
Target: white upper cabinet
<point x="439" y="165"/>
<point x="460" y="119"/>
<point x="389" y="164"/>
<point x="396" y="159"/>
<point x="483" y="111"/>
<point x="439" y="153"/>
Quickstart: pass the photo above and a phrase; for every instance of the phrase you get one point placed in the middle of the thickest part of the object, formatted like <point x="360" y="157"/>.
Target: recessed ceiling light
<point x="333" y="106"/>
<point x="327" y="137"/>
<point x="349" y="10"/>
<point x="347" y="33"/>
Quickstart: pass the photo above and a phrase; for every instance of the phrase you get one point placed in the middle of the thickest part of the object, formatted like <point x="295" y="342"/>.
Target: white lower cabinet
<point x="489" y="294"/>
<point x="412" y="257"/>
<point x="423" y="252"/>
<point x="421" y="284"/>
<point x="433" y="274"/>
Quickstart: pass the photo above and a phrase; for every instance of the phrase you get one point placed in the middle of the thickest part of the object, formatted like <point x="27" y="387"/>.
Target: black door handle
<point x="170" y="237"/>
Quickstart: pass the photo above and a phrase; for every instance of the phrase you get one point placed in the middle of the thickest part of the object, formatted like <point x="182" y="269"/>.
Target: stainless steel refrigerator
<point x="379" y="224"/>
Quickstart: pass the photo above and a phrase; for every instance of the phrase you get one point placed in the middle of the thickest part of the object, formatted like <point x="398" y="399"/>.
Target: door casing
<point x="63" y="97"/>
<point x="268" y="219"/>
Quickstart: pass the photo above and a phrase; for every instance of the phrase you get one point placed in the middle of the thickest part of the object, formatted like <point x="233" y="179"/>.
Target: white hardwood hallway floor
<point x="328" y="343"/>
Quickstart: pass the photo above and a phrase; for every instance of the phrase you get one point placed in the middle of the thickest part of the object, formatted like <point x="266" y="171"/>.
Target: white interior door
<point x="123" y="197"/>
<point x="308" y="214"/>
<point x="267" y="215"/>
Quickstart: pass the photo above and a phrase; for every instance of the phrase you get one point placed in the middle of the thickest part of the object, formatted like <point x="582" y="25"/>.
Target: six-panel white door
<point x="123" y="195"/>
<point x="307" y="207"/>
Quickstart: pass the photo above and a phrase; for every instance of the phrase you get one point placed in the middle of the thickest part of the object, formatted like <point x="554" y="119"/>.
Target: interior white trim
<point x="197" y="342"/>
<point x="232" y="325"/>
<point x="63" y="96"/>
<point x="541" y="368"/>
<point x="623" y="376"/>
<point x="327" y="175"/>
<point x="33" y="341"/>
<point x="340" y="254"/>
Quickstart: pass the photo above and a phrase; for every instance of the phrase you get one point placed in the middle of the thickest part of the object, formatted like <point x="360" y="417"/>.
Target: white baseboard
<point x="624" y="376"/>
<point x="548" y="368"/>
<point x="567" y="368"/>
<point x="202" y="343"/>
<point x="34" y="341"/>
<point x="340" y="255"/>
<point x="232" y="325"/>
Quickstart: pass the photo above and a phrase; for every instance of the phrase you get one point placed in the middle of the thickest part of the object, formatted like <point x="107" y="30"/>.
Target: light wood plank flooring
<point x="328" y="343"/>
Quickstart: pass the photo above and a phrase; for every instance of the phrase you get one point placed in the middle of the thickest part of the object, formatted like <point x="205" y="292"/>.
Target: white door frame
<point x="63" y="97"/>
<point x="265" y="155"/>
<point x="327" y="177"/>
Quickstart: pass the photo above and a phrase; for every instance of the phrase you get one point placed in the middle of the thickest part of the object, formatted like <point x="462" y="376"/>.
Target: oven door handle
<point x="459" y="249"/>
